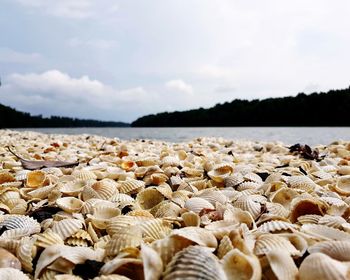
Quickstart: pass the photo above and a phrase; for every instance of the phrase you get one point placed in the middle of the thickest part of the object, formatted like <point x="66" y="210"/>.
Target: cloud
<point x="8" y="55"/>
<point x="179" y="85"/>
<point x="100" y="44"/>
<point x="77" y="9"/>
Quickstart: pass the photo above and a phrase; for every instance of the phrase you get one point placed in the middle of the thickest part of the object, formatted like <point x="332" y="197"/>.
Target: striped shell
<point x="131" y="186"/>
<point x="338" y="250"/>
<point x="194" y="262"/>
<point x="18" y="226"/>
<point x="196" y="204"/>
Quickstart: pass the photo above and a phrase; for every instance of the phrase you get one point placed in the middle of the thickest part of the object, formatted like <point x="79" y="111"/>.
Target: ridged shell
<point x="212" y="196"/>
<point x="131" y="186"/>
<point x="12" y="273"/>
<point x="18" y="226"/>
<point x="196" y="204"/>
<point x="148" y="198"/>
<point x="338" y="250"/>
<point x="119" y="222"/>
<point x="152" y="263"/>
<point x="35" y="179"/>
<point x="42" y="192"/>
<point x="241" y="266"/>
<point x="73" y="188"/>
<point x="224" y="247"/>
<point x="270" y="242"/>
<point x="155" y="229"/>
<point x="246" y="203"/>
<point x="84" y="174"/>
<point x="70" y="204"/>
<point x="322" y="232"/>
<point x="302" y="183"/>
<point x="194" y="262"/>
<point x="6" y="177"/>
<point x="66" y="227"/>
<point x="80" y="238"/>
<point x="332" y="221"/>
<point x="165" y="190"/>
<point x="234" y="180"/>
<point x="169" y="209"/>
<point x="47" y="239"/>
<point x="103" y="189"/>
<point x="309" y="219"/>
<point x="26" y="252"/>
<point x="128" y="237"/>
<point x="282" y="265"/>
<point x="273" y="226"/>
<point x="321" y="266"/>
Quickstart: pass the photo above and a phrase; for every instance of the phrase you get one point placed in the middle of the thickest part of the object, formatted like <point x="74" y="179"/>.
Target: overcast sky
<point x="119" y="60"/>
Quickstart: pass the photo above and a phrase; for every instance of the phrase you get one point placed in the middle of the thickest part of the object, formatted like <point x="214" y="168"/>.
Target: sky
<point x="122" y="59"/>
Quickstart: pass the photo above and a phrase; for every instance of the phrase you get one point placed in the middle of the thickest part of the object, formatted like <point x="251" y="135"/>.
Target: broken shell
<point x="148" y="198"/>
<point x="282" y="265"/>
<point x="241" y="266"/>
<point x="8" y="260"/>
<point x="70" y="204"/>
<point x="35" y="179"/>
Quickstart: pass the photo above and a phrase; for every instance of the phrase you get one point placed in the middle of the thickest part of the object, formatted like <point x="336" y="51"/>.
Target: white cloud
<point x="179" y="85"/>
<point x="11" y="56"/>
<point x="73" y="9"/>
<point x="100" y="44"/>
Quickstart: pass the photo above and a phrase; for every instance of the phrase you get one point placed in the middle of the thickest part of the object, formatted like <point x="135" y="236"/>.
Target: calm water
<point x="288" y="135"/>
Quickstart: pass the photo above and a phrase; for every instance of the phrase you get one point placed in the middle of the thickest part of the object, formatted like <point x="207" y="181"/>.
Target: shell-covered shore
<point x="89" y="207"/>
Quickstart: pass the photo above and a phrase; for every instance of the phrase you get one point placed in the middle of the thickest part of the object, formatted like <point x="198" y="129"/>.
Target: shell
<point x="8" y="260"/>
<point x="152" y="263"/>
<point x="66" y="227"/>
<point x="103" y="189"/>
<point x="282" y="265"/>
<point x="247" y="203"/>
<point x="234" y="180"/>
<point x="128" y="237"/>
<point x="12" y="273"/>
<point x="18" y="226"/>
<point x="26" y="252"/>
<point x="270" y="242"/>
<point x="80" y="238"/>
<point x="148" y="198"/>
<point x="199" y="236"/>
<point x="155" y="229"/>
<point x="84" y="174"/>
<point x="277" y="226"/>
<point x="321" y="266"/>
<point x="343" y="185"/>
<point x="47" y="239"/>
<point x="194" y="262"/>
<point x="284" y="196"/>
<point x="322" y="232"/>
<point x="35" y="179"/>
<point x="306" y="206"/>
<point x="224" y="247"/>
<point x="117" y="223"/>
<point x="102" y="215"/>
<point x="131" y="186"/>
<point x="338" y="250"/>
<point x="212" y="196"/>
<point x="70" y="204"/>
<point x="241" y="266"/>
<point x="73" y="255"/>
<point x="191" y="219"/>
<point x="73" y="188"/>
<point x="302" y="183"/>
<point x="196" y="204"/>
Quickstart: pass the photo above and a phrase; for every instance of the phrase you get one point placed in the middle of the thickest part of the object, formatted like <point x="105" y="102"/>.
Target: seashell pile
<point x="210" y="208"/>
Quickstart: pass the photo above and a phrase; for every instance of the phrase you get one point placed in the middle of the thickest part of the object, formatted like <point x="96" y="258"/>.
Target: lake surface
<point x="288" y="135"/>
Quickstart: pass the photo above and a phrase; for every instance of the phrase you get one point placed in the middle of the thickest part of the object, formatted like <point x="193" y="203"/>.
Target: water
<point x="288" y="135"/>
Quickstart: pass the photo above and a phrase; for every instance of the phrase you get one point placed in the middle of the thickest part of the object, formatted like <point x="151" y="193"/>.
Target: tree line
<point x="11" y="118"/>
<point x="317" y="109"/>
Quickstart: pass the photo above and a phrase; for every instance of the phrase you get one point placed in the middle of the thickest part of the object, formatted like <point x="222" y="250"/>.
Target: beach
<point x="92" y="207"/>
